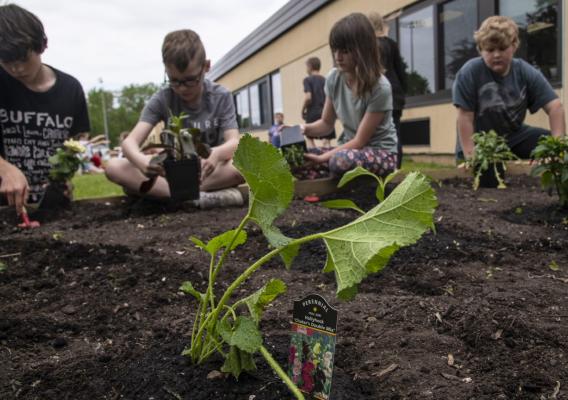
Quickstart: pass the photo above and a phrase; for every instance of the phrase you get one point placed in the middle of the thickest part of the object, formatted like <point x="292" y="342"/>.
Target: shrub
<point x="551" y="155"/>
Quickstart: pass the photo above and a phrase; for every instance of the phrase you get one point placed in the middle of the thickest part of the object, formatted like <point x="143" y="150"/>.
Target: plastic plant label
<point x="312" y="346"/>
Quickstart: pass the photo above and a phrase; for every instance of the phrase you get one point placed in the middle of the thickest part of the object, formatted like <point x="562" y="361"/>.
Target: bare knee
<point x="116" y="169"/>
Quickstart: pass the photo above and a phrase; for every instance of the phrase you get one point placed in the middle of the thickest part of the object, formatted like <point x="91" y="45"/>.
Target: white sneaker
<point x="221" y="198"/>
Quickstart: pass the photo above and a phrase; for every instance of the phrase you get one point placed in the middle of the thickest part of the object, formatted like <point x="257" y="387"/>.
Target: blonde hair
<point x="377" y="21"/>
<point x="497" y="31"/>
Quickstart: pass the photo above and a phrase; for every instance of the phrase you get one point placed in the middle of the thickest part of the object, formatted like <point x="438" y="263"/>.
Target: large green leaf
<point x="244" y="334"/>
<point x="271" y="187"/>
<point x="257" y="301"/>
<point x="220" y="241"/>
<point x="238" y="361"/>
<point x="365" y="245"/>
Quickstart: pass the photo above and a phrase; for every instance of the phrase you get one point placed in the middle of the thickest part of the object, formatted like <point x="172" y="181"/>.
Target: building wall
<point x="309" y="38"/>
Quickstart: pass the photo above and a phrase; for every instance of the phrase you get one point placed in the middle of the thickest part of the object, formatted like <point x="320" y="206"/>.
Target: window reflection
<point x="458" y="21"/>
<point x="243" y="114"/>
<point x="538" y="31"/>
<point x="276" y="93"/>
<point x="417" y="49"/>
<point x="254" y="105"/>
<point x="264" y="103"/>
<point x="391" y="24"/>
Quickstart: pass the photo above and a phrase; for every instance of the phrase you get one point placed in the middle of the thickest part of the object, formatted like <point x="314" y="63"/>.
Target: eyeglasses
<point x="189" y="82"/>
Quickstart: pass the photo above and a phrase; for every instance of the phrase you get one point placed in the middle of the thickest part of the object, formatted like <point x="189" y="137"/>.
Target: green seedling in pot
<point x="551" y="156"/>
<point x="294" y="155"/>
<point x="490" y="151"/>
<point x="228" y="325"/>
<point x="57" y="195"/>
<point x="179" y="143"/>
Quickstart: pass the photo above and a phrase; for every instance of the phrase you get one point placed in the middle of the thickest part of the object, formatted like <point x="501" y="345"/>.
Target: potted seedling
<point x="488" y="162"/>
<point x="64" y="164"/>
<point x="293" y="146"/>
<point x="180" y="159"/>
<point x="551" y="155"/>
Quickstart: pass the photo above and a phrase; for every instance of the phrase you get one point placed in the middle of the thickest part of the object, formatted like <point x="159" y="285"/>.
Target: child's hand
<point x="208" y="165"/>
<point x="154" y="166"/>
<point x="14" y="185"/>
<point x="315" y="158"/>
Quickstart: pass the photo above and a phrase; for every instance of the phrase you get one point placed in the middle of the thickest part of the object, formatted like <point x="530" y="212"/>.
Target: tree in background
<point x="123" y="108"/>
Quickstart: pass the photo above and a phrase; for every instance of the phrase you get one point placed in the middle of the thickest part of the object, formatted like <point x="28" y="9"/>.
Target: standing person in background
<point x="314" y="99"/>
<point x="274" y="132"/>
<point x="394" y="70"/>
<point x="360" y="96"/>
<point x="40" y="108"/>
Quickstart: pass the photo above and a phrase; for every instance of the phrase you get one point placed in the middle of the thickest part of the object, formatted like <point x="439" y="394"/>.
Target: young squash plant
<point x="491" y="151"/>
<point x="230" y="326"/>
<point x="551" y="155"/>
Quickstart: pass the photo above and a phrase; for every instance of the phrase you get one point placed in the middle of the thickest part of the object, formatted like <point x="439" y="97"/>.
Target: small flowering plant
<point x="65" y="162"/>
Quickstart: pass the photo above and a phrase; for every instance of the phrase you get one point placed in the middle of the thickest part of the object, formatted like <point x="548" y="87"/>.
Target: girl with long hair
<point x="360" y="96"/>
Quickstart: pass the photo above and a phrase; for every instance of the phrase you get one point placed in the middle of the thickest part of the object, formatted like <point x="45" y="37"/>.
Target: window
<point x="243" y="110"/>
<point x="255" y="113"/>
<point x="436" y="39"/>
<point x="416" y="32"/>
<point x="457" y="21"/>
<point x="538" y="32"/>
<point x="253" y="102"/>
<point x="276" y="93"/>
<point x="415" y="132"/>
<point x="264" y="100"/>
<point x="392" y="33"/>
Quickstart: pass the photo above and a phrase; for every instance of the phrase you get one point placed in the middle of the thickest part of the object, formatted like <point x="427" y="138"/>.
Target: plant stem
<point x="227" y="249"/>
<point x="250" y="270"/>
<point x="210" y="293"/>
<point x="280" y="372"/>
<point x="196" y="340"/>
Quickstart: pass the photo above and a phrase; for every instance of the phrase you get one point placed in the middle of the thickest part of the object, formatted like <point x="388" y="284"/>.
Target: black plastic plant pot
<point x="292" y="137"/>
<point x="183" y="178"/>
<point x="54" y="197"/>
<point x="487" y="179"/>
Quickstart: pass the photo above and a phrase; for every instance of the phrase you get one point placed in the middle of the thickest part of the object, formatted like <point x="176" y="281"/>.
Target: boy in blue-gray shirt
<point x="495" y="91"/>
<point x="209" y="107"/>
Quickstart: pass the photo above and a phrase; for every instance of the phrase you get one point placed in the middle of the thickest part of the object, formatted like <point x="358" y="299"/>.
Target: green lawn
<point x="92" y="186"/>
<point x="409" y="165"/>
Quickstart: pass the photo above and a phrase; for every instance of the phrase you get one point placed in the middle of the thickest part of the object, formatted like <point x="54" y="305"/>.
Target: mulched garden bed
<point x="90" y="307"/>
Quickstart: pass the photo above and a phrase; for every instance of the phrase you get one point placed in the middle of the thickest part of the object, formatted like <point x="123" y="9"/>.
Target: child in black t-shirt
<point x="40" y="107"/>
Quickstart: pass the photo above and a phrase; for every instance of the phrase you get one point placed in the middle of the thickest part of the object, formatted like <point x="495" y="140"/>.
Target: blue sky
<point x="120" y="40"/>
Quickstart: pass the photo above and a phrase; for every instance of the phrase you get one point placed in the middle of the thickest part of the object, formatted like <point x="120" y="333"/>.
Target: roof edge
<point x="286" y="18"/>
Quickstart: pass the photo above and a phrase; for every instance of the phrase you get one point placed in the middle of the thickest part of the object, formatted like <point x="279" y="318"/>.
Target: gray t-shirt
<point x="351" y="109"/>
<point x="498" y="102"/>
<point x="215" y="114"/>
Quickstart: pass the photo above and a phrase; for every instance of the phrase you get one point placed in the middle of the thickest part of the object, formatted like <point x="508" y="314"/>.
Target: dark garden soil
<point x="90" y="307"/>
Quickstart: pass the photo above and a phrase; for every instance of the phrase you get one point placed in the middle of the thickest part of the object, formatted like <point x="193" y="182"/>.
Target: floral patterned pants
<point x="377" y="161"/>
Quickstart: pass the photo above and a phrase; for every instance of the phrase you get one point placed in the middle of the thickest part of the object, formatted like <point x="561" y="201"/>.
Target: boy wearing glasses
<point x="209" y="107"/>
<point x="40" y="107"/>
